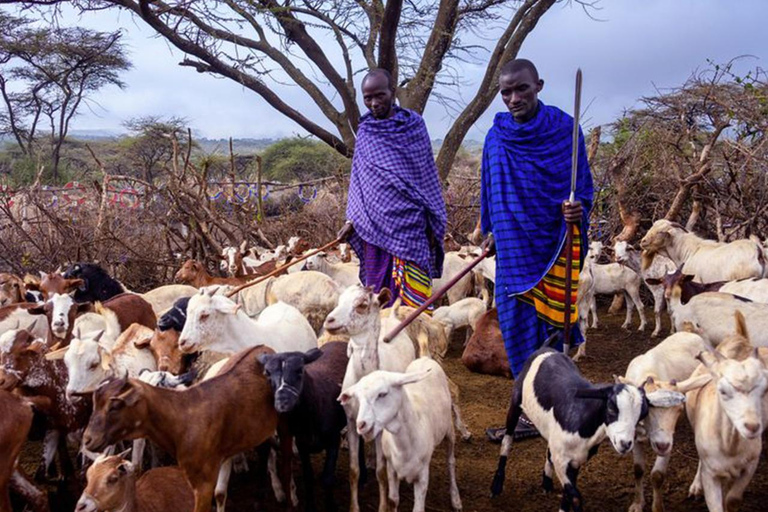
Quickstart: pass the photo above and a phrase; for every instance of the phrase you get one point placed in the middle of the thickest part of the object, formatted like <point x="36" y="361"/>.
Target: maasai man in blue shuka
<point x="526" y="177"/>
<point x="395" y="210"/>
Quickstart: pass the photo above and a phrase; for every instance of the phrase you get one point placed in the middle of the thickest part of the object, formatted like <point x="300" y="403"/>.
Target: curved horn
<point x="56" y="354"/>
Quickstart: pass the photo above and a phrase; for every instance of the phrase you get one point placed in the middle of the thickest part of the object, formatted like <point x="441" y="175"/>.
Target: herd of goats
<point x="209" y="370"/>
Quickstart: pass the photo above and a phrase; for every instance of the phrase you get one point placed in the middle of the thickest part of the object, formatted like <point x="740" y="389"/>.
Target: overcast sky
<point x="638" y="46"/>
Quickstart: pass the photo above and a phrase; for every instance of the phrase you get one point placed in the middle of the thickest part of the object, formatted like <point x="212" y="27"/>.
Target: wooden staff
<point x="439" y="293"/>
<point x="283" y="267"/>
<point x="569" y="226"/>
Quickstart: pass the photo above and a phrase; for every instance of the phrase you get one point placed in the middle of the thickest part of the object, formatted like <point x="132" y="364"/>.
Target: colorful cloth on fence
<point x="548" y="296"/>
<point x="526" y="175"/>
<point x="395" y="199"/>
<point x="413" y="284"/>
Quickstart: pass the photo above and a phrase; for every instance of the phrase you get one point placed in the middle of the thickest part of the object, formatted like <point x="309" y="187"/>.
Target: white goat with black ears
<point x="574" y="416"/>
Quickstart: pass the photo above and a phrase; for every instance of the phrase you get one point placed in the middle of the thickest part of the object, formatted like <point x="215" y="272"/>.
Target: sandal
<point x="525" y="429"/>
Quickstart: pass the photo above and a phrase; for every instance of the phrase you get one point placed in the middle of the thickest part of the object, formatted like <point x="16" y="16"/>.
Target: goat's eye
<point x="112" y="479"/>
<point x="204" y="316"/>
<point x="382" y="394"/>
<point x="93" y="365"/>
<point x="725" y="394"/>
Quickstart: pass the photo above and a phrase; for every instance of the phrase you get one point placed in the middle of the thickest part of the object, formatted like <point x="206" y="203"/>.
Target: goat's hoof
<point x="467" y="436"/>
<point x="636" y="507"/>
<point x="547" y="484"/>
<point x="497" y="485"/>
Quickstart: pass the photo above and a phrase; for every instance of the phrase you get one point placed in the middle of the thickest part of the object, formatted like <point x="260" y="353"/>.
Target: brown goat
<point x="15" y="422"/>
<point x="112" y="485"/>
<point x="12" y="289"/>
<point x="200" y="426"/>
<point x="193" y="273"/>
<point x="484" y="352"/>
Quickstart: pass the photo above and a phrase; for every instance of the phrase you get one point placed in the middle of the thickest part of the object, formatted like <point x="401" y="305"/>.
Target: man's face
<point x="520" y="93"/>
<point x="377" y="96"/>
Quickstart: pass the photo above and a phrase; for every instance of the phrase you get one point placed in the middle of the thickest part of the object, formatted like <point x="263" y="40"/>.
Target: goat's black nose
<point x="626" y="446"/>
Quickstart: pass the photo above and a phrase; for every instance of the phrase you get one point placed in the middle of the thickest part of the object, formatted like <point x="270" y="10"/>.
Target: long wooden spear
<point x="569" y="227"/>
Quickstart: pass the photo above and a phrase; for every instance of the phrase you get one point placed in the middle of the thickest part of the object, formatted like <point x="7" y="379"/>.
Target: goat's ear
<point x="74" y="284"/>
<point x="143" y="342"/>
<point x="106" y="360"/>
<point x="741" y="325"/>
<point x="618" y="379"/>
<point x="692" y="383"/>
<point x="43" y="275"/>
<point x="594" y="393"/>
<point x="264" y="359"/>
<point x="129" y="397"/>
<point x="687" y="278"/>
<point x="385" y="295"/>
<point x="56" y="355"/>
<point x="312" y="355"/>
<point x="665" y="398"/>
<point x="409" y="378"/>
<point x="708" y="361"/>
<point x="244" y="247"/>
<point x="345" y="397"/>
<point x="653" y="281"/>
<point x="124" y="455"/>
<point x="37" y="310"/>
<point x="229" y="308"/>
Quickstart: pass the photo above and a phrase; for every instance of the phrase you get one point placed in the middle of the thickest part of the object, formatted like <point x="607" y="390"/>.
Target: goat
<point x="629" y="256"/>
<point x="214" y="322"/>
<point x="97" y="284"/>
<point x="201" y="426"/>
<point x="233" y="260"/>
<point x="661" y="367"/>
<point x="707" y="260"/>
<point x="25" y="370"/>
<point x="452" y="265"/>
<point x="464" y="313"/>
<point x="752" y="288"/>
<point x="162" y="298"/>
<point x="12" y="289"/>
<point x="484" y="352"/>
<point x="193" y="273"/>
<point x="313" y="293"/>
<point x="411" y="412"/>
<point x="346" y="274"/>
<point x="306" y="386"/>
<point x="13" y="315"/>
<point x="727" y="417"/>
<point x="112" y="485"/>
<point x="574" y="416"/>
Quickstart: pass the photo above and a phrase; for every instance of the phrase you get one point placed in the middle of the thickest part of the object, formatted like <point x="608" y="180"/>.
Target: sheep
<point x="346" y="274"/>
<point x="306" y="386"/>
<point x="214" y="322"/>
<point x="707" y="260"/>
<point x="574" y="416"/>
<point x="727" y="418"/>
<point x="112" y="485"/>
<point x="614" y="278"/>
<point x="629" y="256"/>
<point x="464" y="313"/>
<point x="411" y="412"/>
<point x="201" y="426"/>
<point x="665" y="366"/>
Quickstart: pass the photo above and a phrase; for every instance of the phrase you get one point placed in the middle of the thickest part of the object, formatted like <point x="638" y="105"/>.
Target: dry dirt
<point x="606" y="482"/>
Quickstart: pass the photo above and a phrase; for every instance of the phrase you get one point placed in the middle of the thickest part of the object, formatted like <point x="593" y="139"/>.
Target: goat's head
<point x="176" y="317"/>
<point x="345" y="253"/>
<point x="165" y="347"/>
<point x="53" y="283"/>
<point x="379" y="398"/>
<point x="316" y="262"/>
<point x="358" y="307"/>
<point x="625" y="406"/>
<point x="20" y="354"/>
<point x="189" y="272"/>
<point x="285" y="373"/>
<point x="110" y="480"/>
<point x="622" y="251"/>
<point x="297" y="245"/>
<point x="207" y="314"/>
<point x="658" y="239"/>
<point x="232" y="258"/>
<point x="12" y="289"/>
<point x="119" y="409"/>
<point x="674" y="283"/>
<point x="61" y="311"/>
<point x="88" y="363"/>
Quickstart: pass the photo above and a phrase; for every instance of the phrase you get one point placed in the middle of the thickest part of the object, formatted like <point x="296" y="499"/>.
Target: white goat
<point x="464" y="313"/>
<point x="313" y="293"/>
<point x="411" y="412"/>
<point x="727" y="420"/>
<point x="753" y="289"/>
<point x="216" y="323"/>
<point x="629" y="256"/>
<point x="661" y="367"/>
<point x="707" y="260"/>
<point x="452" y="265"/>
<point x="346" y="274"/>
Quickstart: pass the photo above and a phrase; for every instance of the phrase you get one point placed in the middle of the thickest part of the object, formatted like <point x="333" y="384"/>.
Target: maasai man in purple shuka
<point x="525" y="184"/>
<point x="395" y="209"/>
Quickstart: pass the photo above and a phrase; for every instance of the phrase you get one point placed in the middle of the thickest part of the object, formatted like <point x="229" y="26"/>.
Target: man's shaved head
<point x="380" y="72"/>
<point x="517" y="65"/>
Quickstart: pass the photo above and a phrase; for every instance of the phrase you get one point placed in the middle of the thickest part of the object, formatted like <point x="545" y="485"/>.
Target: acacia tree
<point x="321" y="46"/>
<point x="47" y="73"/>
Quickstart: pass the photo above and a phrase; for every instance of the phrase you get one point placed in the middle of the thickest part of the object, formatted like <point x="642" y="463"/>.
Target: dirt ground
<point x="606" y="483"/>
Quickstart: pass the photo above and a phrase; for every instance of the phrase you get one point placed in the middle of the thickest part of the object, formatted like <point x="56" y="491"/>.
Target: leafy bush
<point x="300" y="159"/>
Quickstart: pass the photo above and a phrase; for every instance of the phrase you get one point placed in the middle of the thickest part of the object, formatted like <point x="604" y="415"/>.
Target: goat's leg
<point x="353" y="441"/>
<point x="736" y="493"/>
<point x="638" y="453"/>
<point x="34" y="497"/>
<point x="222" y="483"/>
<point x="658" y="306"/>
<point x="628" y="318"/>
<point x="328" y="479"/>
<point x="67" y="467"/>
<point x="137" y="454"/>
<point x="568" y="473"/>
<point x="593" y="309"/>
<point x="713" y="491"/>
<point x="695" y="489"/>
<point x="634" y="294"/>
<point x="203" y="492"/>
<point x="308" y="476"/>
<point x="420" y="486"/>
<point x="546" y="478"/>
<point x="466" y="435"/>
<point x="286" y="455"/>
<point x="274" y="479"/>
<point x="513" y="416"/>
<point x="658" y="475"/>
<point x="451" y="459"/>
<point x="46" y="467"/>
<point x="381" y="475"/>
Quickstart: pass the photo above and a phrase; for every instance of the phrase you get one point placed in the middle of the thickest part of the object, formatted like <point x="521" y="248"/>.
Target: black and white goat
<point x="574" y="416"/>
